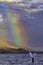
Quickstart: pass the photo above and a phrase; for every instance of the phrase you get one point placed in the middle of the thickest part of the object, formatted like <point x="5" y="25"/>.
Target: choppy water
<point x="20" y="59"/>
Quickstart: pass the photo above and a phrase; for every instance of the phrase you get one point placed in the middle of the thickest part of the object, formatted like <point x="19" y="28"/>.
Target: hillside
<point x="4" y="44"/>
<point x="7" y="47"/>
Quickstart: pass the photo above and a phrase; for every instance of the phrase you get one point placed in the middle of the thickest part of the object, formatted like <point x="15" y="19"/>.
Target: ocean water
<point x="20" y="59"/>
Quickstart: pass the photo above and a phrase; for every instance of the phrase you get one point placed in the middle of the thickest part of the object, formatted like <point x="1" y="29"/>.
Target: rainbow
<point x="18" y="31"/>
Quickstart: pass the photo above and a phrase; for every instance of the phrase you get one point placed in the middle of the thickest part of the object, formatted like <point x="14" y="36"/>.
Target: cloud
<point x="11" y="0"/>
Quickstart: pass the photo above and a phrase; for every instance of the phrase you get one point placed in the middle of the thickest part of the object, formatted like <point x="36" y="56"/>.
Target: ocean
<point x="20" y="59"/>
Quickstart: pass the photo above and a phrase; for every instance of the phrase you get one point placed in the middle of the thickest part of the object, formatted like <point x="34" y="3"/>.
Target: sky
<point x="11" y="0"/>
<point x="23" y="0"/>
<point x="24" y="30"/>
<point x="31" y="1"/>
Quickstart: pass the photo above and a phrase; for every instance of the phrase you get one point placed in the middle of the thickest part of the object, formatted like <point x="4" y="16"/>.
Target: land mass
<point x="19" y="50"/>
<point x="7" y="47"/>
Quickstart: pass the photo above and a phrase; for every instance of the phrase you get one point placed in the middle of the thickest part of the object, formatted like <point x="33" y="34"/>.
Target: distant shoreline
<point x="27" y="52"/>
